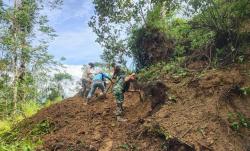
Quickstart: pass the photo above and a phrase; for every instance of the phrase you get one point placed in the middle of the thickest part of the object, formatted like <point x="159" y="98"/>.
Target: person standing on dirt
<point x="119" y="90"/>
<point x="91" y="71"/>
<point x="98" y="82"/>
<point x="86" y="80"/>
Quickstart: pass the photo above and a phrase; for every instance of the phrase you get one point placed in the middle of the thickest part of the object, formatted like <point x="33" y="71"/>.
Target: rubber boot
<point x="87" y="101"/>
<point x="120" y="113"/>
<point x="117" y="112"/>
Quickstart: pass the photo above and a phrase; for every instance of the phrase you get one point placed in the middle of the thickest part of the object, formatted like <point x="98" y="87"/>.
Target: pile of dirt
<point x="197" y="119"/>
<point x="94" y="126"/>
<point x="204" y="103"/>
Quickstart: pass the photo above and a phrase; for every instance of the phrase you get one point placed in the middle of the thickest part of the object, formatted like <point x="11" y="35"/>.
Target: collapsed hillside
<point x="196" y="112"/>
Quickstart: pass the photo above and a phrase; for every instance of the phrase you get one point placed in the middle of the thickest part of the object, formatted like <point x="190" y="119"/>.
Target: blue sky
<point x="75" y="41"/>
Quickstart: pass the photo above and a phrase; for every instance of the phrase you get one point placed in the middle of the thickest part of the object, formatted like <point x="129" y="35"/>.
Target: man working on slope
<point x="91" y="71"/>
<point x="87" y="77"/>
<point x="120" y="87"/>
<point x="98" y="82"/>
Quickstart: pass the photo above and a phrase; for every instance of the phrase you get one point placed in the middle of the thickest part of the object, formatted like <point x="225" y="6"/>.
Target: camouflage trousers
<point x="118" y="93"/>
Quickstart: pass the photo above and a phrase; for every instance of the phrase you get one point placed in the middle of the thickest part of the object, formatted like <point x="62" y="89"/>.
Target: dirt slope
<point x="198" y="115"/>
<point x="94" y="126"/>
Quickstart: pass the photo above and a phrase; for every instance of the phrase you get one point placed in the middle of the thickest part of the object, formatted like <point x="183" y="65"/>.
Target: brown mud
<point x="196" y="112"/>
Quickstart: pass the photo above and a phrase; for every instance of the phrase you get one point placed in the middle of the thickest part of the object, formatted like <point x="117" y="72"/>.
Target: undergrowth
<point x="238" y="121"/>
<point x="12" y="137"/>
<point x="245" y="91"/>
<point x="159" y="70"/>
<point x="17" y="139"/>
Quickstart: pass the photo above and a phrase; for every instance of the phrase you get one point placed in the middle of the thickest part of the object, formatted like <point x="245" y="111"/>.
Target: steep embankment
<point x="197" y="113"/>
<point x="94" y="127"/>
<point x="204" y="104"/>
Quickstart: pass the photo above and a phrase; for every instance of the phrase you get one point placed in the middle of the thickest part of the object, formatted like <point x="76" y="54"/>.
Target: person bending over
<point x="97" y="82"/>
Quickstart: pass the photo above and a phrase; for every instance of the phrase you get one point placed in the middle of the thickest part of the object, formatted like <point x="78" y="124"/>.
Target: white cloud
<point x="74" y="70"/>
<point x="78" y="46"/>
<point x="72" y="9"/>
<point x="75" y="41"/>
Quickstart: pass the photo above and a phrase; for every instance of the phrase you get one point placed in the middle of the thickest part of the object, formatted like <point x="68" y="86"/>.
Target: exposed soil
<point x="94" y="126"/>
<point x="196" y="112"/>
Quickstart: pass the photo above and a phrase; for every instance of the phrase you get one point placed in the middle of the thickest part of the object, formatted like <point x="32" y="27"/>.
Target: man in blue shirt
<point x="98" y="82"/>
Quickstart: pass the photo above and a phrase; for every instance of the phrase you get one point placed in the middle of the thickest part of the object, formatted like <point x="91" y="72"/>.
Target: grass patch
<point x="19" y="139"/>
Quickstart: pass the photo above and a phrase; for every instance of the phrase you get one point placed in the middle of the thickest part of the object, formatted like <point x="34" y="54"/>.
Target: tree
<point x="56" y="87"/>
<point x="114" y="20"/>
<point x="25" y="52"/>
<point x="111" y="21"/>
<point x="223" y="18"/>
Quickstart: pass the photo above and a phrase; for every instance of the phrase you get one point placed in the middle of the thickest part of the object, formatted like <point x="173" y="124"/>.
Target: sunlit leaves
<point x="25" y="34"/>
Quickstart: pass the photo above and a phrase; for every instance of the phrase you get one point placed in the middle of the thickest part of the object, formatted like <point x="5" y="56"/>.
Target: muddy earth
<point x="192" y="116"/>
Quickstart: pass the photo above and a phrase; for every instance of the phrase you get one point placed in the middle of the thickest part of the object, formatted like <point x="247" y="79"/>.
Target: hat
<point x="91" y="64"/>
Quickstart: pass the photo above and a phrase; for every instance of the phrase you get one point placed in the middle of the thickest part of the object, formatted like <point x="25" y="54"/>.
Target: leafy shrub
<point x="50" y="102"/>
<point x="11" y="137"/>
<point x="159" y="70"/>
<point x="42" y="128"/>
<point x="5" y="126"/>
<point x="221" y="20"/>
<point x="29" y="108"/>
<point x="14" y="139"/>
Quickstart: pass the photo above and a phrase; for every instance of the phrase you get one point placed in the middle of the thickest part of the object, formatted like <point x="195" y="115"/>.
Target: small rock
<point x="92" y="148"/>
<point x="58" y="145"/>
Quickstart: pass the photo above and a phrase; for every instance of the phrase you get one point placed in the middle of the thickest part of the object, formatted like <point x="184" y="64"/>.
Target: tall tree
<point x="24" y="44"/>
<point x="114" y="19"/>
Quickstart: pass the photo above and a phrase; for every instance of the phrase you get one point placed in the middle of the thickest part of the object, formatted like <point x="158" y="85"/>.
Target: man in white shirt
<point x="87" y="77"/>
<point x="91" y="71"/>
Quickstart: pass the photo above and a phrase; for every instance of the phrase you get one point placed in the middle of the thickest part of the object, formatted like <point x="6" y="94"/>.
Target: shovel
<point x="138" y="91"/>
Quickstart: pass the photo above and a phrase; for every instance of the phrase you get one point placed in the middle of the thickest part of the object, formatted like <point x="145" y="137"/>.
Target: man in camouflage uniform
<point x="119" y="75"/>
<point x="118" y="90"/>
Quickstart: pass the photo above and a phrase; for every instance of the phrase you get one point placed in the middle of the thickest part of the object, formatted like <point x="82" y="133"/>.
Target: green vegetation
<point x="24" y="70"/>
<point x="25" y="82"/>
<point x="160" y="30"/>
<point x="15" y="139"/>
<point x="157" y="71"/>
<point x="11" y="136"/>
<point x="162" y="36"/>
<point x="238" y="121"/>
<point x="245" y="91"/>
<point x="25" y="145"/>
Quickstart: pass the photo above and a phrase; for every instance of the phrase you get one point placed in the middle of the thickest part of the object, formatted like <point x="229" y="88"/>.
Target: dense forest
<point x="199" y="48"/>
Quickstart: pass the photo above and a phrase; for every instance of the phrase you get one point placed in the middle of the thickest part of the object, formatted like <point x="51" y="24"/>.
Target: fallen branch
<point x="184" y="134"/>
<point x="204" y="147"/>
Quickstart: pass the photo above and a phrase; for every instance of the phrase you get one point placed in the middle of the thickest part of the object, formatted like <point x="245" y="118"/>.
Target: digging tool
<point x="138" y="91"/>
<point x="111" y="85"/>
